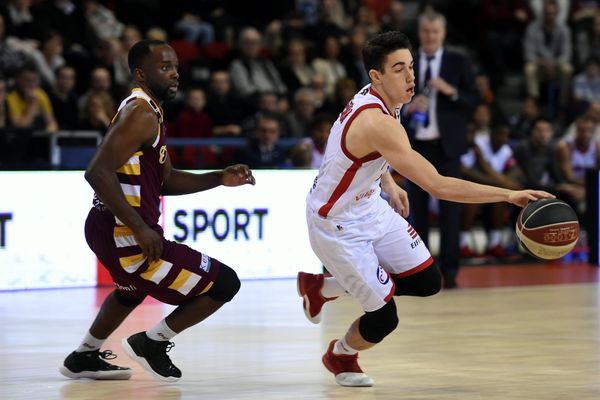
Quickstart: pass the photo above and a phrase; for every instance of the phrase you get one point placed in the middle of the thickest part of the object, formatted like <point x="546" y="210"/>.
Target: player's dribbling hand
<point x="150" y="242"/>
<point x="522" y="197"/>
<point x="237" y="175"/>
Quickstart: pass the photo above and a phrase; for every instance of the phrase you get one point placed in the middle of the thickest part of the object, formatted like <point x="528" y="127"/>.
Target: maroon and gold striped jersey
<point x="141" y="177"/>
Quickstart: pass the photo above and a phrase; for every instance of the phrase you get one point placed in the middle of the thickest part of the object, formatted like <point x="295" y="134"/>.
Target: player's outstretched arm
<point x="134" y="128"/>
<point x="177" y="182"/>
<point x="391" y="141"/>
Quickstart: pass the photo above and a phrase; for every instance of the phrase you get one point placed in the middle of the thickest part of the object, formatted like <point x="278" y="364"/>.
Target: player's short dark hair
<point x="140" y="51"/>
<point x="377" y="49"/>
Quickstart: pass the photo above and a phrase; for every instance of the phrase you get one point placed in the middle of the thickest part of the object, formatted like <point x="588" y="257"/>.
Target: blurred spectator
<point x="97" y="111"/>
<point x="109" y="54"/>
<point x="301" y="117"/>
<point x="226" y="110"/>
<point x="103" y="22"/>
<point x="547" y="51"/>
<point x="194" y="30"/>
<point x="250" y="73"/>
<point x="319" y="88"/>
<point x="583" y="12"/>
<point x="352" y="58"/>
<point x="592" y="112"/>
<point x="157" y="33"/>
<point x="345" y="89"/>
<point x="11" y="58"/>
<point x="488" y="161"/>
<point x="537" y="158"/>
<point x="501" y="27"/>
<point x="576" y="154"/>
<point x="28" y="104"/>
<point x="131" y="35"/>
<point x="193" y="122"/>
<point x="366" y="19"/>
<point x="331" y="21"/>
<point x="482" y="118"/>
<point x="262" y="150"/>
<point x="274" y="40"/>
<point x="295" y="72"/>
<point x="486" y="93"/>
<point x="563" y="8"/>
<point x="100" y="81"/>
<point x="521" y="123"/>
<point x="586" y="85"/>
<point x="329" y="65"/>
<point x="300" y="156"/>
<point x="393" y="19"/>
<point x="587" y="41"/>
<point x="49" y="57"/>
<point x="4" y="113"/>
<point x="65" y="17"/>
<point x="19" y="20"/>
<point x="64" y="99"/>
<point x="268" y="103"/>
<point x="317" y="142"/>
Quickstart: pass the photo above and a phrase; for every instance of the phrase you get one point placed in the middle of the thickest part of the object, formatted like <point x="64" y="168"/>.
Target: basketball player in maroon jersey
<point x="129" y="173"/>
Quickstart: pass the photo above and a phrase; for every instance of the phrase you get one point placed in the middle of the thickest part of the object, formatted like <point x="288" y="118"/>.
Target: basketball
<point x="548" y="228"/>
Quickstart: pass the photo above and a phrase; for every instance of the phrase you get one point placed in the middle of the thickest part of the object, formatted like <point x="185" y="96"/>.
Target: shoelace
<point x="169" y="346"/>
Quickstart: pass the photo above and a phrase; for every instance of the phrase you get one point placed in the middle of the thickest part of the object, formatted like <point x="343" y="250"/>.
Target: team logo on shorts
<point x="382" y="275"/>
<point x="205" y="263"/>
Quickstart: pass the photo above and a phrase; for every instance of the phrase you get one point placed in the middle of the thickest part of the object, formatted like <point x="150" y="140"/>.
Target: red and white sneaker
<point x="345" y="368"/>
<point x="309" y="288"/>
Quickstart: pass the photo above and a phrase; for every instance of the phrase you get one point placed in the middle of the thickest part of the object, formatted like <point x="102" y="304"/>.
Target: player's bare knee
<point x="374" y="326"/>
<point x="226" y="285"/>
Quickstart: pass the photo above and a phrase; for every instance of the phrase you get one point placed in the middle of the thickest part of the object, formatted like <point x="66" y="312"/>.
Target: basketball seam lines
<point x="541" y="208"/>
<point x="549" y="225"/>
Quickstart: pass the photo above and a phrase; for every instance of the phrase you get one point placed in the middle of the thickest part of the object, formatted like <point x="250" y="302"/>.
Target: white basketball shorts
<point x="364" y="254"/>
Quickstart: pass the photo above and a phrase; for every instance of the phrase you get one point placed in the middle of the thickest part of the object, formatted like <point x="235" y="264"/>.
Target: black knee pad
<point x="375" y="325"/>
<point x="226" y="285"/>
<point x="424" y="283"/>
<point x="127" y="301"/>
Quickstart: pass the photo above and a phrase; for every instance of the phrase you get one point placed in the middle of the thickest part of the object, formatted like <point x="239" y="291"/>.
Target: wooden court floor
<point x="495" y="341"/>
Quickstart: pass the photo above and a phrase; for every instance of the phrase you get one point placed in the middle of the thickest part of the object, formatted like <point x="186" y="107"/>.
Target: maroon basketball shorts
<point x="180" y="274"/>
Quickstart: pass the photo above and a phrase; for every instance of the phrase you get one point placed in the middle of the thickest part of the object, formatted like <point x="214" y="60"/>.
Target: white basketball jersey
<point x="501" y="159"/>
<point x="582" y="160"/>
<point x="348" y="187"/>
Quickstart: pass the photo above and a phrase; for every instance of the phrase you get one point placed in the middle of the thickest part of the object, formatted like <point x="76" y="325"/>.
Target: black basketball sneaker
<point x="152" y="355"/>
<point x="91" y="365"/>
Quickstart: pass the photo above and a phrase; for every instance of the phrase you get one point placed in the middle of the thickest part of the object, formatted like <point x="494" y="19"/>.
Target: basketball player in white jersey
<point x="578" y="153"/>
<point x="366" y="244"/>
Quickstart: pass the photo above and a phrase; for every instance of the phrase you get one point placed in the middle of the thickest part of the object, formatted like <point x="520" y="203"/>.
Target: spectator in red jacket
<point x="194" y="122"/>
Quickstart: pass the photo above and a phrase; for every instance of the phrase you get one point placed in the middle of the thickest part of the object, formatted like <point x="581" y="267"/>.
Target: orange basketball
<point x="548" y="228"/>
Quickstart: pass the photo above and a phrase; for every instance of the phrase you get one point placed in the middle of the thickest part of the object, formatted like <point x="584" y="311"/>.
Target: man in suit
<point x="436" y="122"/>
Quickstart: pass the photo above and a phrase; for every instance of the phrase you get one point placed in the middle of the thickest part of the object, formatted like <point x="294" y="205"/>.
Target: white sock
<point x="331" y="288"/>
<point x="465" y="239"/>
<point x="161" y="332"/>
<point x="342" y="347"/>
<point x="90" y="343"/>
<point x="495" y="238"/>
